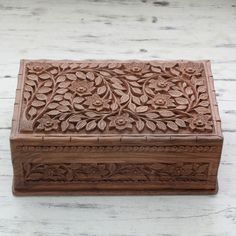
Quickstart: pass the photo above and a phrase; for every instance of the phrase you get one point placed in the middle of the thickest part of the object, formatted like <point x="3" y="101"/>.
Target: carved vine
<point x="115" y="172"/>
<point x="83" y="97"/>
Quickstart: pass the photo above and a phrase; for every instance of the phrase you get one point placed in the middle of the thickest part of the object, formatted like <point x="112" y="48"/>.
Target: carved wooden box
<point x="115" y="127"/>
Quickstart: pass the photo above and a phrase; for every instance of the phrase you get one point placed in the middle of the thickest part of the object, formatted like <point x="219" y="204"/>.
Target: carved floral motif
<point x="116" y="172"/>
<point x="112" y="97"/>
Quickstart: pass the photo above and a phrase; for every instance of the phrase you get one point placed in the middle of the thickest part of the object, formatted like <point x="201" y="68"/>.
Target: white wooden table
<point x="73" y="29"/>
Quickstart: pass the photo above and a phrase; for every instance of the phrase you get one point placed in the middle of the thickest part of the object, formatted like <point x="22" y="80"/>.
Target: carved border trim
<point x="180" y="148"/>
<point x="116" y="172"/>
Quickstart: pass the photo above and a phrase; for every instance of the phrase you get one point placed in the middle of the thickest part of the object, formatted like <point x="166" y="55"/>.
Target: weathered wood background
<point x="144" y="29"/>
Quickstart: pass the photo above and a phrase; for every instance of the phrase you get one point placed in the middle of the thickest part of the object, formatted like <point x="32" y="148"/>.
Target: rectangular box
<point x="115" y="127"/>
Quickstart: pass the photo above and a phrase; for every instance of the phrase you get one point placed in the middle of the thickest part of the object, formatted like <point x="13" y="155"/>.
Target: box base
<point x="118" y="192"/>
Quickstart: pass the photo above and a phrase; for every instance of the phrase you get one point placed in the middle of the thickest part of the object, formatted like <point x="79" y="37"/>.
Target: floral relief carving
<point x="116" y="172"/>
<point x="113" y="97"/>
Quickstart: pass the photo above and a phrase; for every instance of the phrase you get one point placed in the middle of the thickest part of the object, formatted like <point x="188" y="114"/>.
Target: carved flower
<point x="200" y="122"/>
<point x="121" y="122"/>
<point x="82" y="88"/>
<point x="137" y="67"/>
<point x="160" y="84"/>
<point x="96" y="102"/>
<point x="47" y="123"/>
<point x="191" y="68"/>
<point x="161" y="101"/>
<point x="37" y="67"/>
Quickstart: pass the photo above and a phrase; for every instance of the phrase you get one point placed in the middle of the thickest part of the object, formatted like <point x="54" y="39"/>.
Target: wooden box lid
<point x="115" y="101"/>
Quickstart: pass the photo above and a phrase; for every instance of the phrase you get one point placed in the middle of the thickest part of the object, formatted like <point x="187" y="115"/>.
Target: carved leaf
<point x="189" y="90"/>
<point x="118" y="86"/>
<point x="152" y="115"/>
<point x="53" y="112"/>
<point x="53" y="105"/>
<point x="166" y="113"/>
<point x="26" y="95"/>
<point x="53" y="71"/>
<point x="91" y="125"/>
<point x="202" y="110"/>
<point x="62" y="116"/>
<point x="64" y="125"/>
<point x="64" y="84"/>
<point x="104" y="73"/>
<point x="68" y="96"/>
<point x="204" y="103"/>
<point x="44" y="76"/>
<point x="202" y="169"/>
<point x="71" y="77"/>
<point x="48" y="83"/>
<point x="172" y="125"/>
<point x="80" y="125"/>
<point x="124" y="98"/>
<point x="32" y="112"/>
<point x="181" y="107"/>
<point x="65" y="103"/>
<point x="174" y="72"/>
<point x="80" y="75"/>
<point x="180" y="123"/>
<point x="150" y="125"/>
<point x="63" y="108"/>
<point x="91" y="114"/>
<point x="33" y="77"/>
<point x="201" y="89"/>
<point x="181" y="101"/>
<point x="44" y="90"/>
<point x="161" y="125"/>
<point x="114" y="106"/>
<point x="98" y="80"/>
<point x="132" y="107"/>
<point x="30" y="82"/>
<point x="131" y="77"/>
<point x="78" y="99"/>
<point x="119" y="72"/>
<point x="140" y="125"/>
<point x="58" y="98"/>
<point x="136" y="100"/>
<point x="175" y="93"/>
<point x="101" y="90"/>
<point x="90" y="75"/>
<point x="28" y="88"/>
<point x="75" y="118"/>
<point x="61" y="91"/>
<point x="203" y="96"/>
<point x="119" y="92"/>
<point x="115" y="80"/>
<point x="141" y="109"/>
<point x="41" y="96"/>
<point x="37" y="103"/>
<point x="135" y="84"/>
<point x="147" y="75"/>
<point x="149" y="91"/>
<point x="64" y="66"/>
<point x="102" y="125"/>
<point x="144" y="98"/>
<point x="156" y="69"/>
<point x="136" y="91"/>
<point x="78" y="106"/>
<point x="61" y="78"/>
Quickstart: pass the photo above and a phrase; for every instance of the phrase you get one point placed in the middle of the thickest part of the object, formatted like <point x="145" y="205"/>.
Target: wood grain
<point x="122" y="30"/>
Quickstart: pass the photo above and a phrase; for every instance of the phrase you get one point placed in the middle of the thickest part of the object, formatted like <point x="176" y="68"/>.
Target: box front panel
<point x="114" y="169"/>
